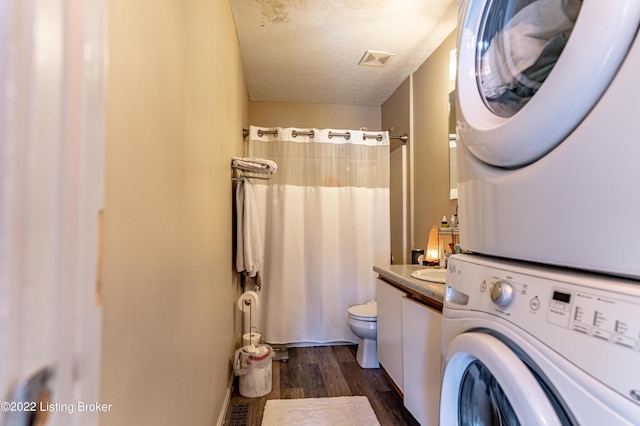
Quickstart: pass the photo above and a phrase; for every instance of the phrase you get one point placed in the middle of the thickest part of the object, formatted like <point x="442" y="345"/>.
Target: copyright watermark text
<point x="55" y="407"/>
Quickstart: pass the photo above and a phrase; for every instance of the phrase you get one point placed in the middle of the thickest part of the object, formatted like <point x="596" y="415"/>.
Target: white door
<point x="530" y="70"/>
<point x="52" y="69"/>
<point x="485" y="382"/>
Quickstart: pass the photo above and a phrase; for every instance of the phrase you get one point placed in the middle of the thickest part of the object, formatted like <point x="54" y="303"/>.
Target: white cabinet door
<point x="421" y="360"/>
<point x="389" y="300"/>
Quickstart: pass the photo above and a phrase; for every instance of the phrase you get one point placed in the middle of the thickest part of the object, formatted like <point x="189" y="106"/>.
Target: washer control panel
<point x="605" y="317"/>
<point x="591" y="320"/>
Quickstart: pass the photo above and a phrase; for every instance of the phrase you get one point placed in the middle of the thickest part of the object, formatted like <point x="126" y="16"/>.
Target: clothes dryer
<point x="530" y="345"/>
<point x="549" y="152"/>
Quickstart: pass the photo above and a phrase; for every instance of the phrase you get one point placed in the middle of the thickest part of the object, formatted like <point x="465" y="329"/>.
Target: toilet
<point x="363" y="323"/>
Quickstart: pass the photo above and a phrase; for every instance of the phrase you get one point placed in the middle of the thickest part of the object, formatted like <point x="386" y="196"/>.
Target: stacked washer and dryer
<point x="542" y="313"/>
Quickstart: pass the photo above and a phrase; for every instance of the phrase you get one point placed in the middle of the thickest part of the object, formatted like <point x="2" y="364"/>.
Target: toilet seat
<point x="365" y="312"/>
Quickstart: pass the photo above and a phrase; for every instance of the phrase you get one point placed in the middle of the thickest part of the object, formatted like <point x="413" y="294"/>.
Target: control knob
<point x="502" y="293"/>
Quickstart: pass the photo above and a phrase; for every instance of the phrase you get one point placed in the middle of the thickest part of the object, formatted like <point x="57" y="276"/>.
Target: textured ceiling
<point x="307" y="51"/>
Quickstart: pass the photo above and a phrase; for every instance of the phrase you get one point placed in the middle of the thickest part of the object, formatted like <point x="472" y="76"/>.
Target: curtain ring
<point x="295" y="134"/>
<point x="377" y="137"/>
<point x="346" y="135"/>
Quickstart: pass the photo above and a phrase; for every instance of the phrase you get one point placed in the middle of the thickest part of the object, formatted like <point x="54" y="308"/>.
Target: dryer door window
<point x="529" y="71"/>
<point x="519" y="44"/>
<point x="485" y="382"/>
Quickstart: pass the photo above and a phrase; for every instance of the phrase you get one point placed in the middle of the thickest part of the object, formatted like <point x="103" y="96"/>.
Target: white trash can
<point x="253" y="366"/>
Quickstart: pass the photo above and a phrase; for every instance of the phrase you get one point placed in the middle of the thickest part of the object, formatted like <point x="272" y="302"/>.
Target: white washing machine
<point x="533" y="345"/>
<point x="548" y="94"/>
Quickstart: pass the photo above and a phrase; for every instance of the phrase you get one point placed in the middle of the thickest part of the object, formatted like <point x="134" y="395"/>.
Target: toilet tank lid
<point x="366" y="310"/>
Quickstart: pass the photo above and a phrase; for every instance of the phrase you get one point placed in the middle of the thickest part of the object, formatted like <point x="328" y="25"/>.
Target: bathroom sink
<point x="431" y="275"/>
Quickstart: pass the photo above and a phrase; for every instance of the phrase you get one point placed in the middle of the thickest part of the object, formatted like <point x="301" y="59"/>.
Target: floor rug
<point x="338" y="411"/>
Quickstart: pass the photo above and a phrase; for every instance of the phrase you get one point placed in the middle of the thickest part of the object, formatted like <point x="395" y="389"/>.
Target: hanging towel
<point x="254" y="164"/>
<point x="249" y="245"/>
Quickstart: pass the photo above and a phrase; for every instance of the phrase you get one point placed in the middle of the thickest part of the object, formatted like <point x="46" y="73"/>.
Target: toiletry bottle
<point x="452" y="222"/>
<point x="444" y="223"/>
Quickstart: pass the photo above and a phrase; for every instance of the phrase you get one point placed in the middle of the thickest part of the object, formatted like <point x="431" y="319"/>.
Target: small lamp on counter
<point x="432" y="255"/>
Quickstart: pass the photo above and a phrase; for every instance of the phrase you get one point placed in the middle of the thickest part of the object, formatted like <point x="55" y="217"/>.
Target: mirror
<point x="453" y="143"/>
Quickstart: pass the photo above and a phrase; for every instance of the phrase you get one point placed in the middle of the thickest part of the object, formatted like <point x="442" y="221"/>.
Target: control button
<point x="601" y="334"/>
<point x="534" y="304"/>
<point x="581" y="328"/>
<point x="483" y="286"/>
<point x="624" y="341"/>
<point x="502" y="293"/>
<point x="561" y="306"/>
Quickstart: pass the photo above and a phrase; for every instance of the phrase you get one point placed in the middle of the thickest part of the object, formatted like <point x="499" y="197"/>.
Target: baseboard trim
<point x="390" y="380"/>
<point x="227" y="400"/>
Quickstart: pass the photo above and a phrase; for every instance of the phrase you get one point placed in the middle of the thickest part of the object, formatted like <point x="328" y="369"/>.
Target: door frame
<point x="52" y="108"/>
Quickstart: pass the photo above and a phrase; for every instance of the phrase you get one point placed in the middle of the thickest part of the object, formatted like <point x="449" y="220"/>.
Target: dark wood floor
<point x="326" y="371"/>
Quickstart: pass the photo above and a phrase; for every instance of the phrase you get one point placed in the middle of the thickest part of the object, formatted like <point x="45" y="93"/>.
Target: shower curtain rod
<point x="404" y="138"/>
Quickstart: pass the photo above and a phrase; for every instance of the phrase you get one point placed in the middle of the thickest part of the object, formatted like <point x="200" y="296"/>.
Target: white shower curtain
<point x="324" y="218"/>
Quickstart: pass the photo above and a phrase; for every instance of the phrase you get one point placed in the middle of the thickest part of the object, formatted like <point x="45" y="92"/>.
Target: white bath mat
<point x="338" y="411"/>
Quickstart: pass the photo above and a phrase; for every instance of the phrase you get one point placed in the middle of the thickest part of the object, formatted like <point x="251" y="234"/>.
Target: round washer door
<point x="485" y="382"/>
<point x="530" y="70"/>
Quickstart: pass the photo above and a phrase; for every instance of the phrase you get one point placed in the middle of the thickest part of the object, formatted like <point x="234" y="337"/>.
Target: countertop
<point x="401" y="274"/>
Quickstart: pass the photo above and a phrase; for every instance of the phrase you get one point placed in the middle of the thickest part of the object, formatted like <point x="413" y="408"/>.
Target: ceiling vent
<point x="372" y="58"/>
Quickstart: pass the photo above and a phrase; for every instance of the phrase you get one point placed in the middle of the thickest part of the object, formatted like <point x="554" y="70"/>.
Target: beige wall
<point x="176" y="106"/>
<point x="431" y="87"/>
<point x="319" y="116"/>
<point x="419" y="107"/>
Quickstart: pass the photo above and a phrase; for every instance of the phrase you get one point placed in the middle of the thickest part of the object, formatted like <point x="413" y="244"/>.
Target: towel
<point x="254" y="164"/>
<point x="249" y="255"/>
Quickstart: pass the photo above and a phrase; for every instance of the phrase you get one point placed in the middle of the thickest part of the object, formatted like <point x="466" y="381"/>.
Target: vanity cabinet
<point x="389" y="299"/>
<point x="409" y="338"/>
<point x="422" y="361"/>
